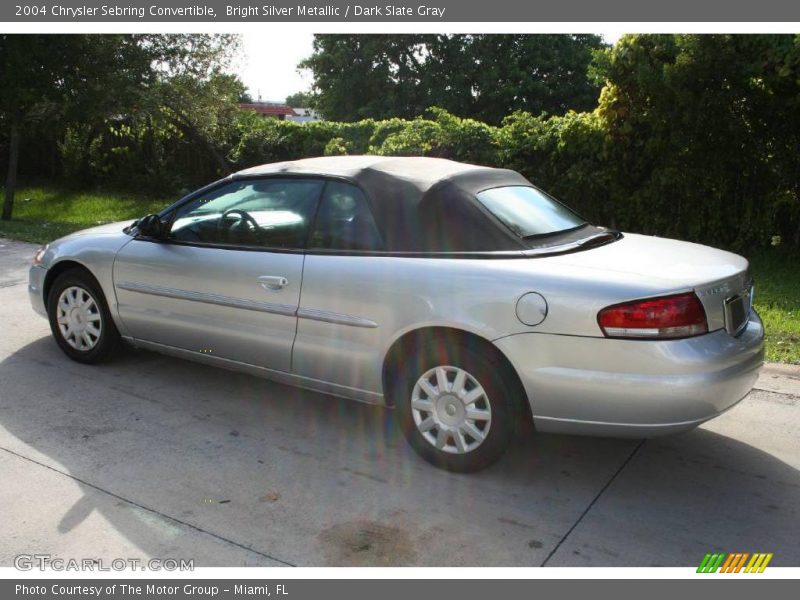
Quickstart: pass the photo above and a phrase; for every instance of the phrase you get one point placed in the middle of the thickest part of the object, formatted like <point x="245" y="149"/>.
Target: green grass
<point x="777" y="300"/>
<point x="42" y="214"/>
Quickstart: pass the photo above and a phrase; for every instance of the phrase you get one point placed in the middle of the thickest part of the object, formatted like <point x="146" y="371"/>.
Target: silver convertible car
<point x="463" y="296"/>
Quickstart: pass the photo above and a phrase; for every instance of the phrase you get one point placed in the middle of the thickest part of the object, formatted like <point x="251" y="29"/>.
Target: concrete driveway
<point x="150" y="456"/>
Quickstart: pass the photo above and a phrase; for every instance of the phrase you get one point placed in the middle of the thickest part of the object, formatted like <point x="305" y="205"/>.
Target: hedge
<point x="574" y="157"/>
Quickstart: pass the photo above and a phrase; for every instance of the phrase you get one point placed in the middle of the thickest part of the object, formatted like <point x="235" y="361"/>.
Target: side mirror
<point x="151" y="226"/>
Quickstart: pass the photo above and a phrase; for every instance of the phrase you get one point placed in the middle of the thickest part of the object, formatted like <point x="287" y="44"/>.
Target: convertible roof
<point x="421" y="172"/>
<point x="420" y="203"/>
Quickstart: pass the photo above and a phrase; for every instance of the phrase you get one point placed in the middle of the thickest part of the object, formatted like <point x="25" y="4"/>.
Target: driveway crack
<point x="593" y="502"/>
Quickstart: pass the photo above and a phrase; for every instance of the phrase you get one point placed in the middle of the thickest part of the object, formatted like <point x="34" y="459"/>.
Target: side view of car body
<point x="463" y="296"/>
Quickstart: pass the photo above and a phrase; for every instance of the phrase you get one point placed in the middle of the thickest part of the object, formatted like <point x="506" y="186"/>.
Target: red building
<point x="270" y="110"/>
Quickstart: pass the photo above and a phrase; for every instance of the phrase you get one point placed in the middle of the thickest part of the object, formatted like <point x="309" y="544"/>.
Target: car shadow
<point x="315" y="480"/>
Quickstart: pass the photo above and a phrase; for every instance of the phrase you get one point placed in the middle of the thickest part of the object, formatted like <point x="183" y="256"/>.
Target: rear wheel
<point x="80" y="319"/>
<point x="455" y="409"/>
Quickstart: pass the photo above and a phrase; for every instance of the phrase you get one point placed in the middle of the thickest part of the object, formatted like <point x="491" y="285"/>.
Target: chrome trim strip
<point x="325" y="316"/>
<point x="206" y="298"/>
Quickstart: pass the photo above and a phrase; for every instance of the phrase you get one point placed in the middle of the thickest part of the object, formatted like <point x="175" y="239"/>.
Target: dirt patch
<point x="365" y="543"/>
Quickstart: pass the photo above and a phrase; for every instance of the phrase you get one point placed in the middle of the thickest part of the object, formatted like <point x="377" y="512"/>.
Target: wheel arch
<point x="57" y="269"/>
<point x="415" y="338"/>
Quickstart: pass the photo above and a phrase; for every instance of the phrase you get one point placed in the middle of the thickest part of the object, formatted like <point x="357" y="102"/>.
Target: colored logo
<point x="734" y="562"/>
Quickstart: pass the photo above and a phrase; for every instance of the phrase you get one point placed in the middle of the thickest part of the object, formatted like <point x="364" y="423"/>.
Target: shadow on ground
<point x="312" y="480"/>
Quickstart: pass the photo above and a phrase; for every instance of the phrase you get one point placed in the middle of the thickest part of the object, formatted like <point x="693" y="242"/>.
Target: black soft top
<point x="420" y="204"/>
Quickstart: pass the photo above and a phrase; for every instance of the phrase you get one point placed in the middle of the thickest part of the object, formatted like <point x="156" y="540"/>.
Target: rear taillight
<point x="670" y="317"/>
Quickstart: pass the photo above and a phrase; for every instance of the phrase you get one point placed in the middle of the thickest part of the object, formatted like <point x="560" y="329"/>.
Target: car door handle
<point x="272" y="282"/>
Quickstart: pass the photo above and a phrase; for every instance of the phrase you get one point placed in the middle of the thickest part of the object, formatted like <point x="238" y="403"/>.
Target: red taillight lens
<point x="669" y="317"/>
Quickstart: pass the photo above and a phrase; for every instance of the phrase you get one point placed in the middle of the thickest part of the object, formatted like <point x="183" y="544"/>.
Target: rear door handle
<point x="272" y="282"/>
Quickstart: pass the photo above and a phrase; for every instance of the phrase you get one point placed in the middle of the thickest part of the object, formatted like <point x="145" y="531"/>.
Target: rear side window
<point x="344" y="221"/>
<point x="527" y="211"/>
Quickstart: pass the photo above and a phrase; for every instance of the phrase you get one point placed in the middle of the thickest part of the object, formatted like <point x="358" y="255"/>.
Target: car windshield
<point x="529" y="212"/>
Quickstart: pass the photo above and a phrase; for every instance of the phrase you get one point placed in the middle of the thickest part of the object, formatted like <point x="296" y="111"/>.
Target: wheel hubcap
<point x="79" y="319"/>
<point x="451" y="409"/>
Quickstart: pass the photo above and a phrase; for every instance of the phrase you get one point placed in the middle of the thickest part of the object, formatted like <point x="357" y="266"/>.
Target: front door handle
<point x="272" y="282"/>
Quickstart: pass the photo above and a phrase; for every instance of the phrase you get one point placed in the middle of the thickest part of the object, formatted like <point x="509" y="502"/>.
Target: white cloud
<point x="269" y="64"/>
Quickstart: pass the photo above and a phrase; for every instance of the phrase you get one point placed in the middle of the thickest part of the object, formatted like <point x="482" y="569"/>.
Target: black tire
<point x="499" y="394"/>
<point x="104" y="345"/>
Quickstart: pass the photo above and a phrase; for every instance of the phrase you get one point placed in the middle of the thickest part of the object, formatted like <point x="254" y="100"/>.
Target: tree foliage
<point x="50" y="80"/>
<point x="706" y="128"/>
<point x="66" y="90"/>
<point x="483" y="76"/>
<point x="300" y="100"/>
<point x="693" y="136"/>
<point x="487" y="77"/>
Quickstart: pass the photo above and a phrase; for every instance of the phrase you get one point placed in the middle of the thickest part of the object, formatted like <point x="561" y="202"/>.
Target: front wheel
<point x="80" y="319"/>
<point x="455" y="409"/>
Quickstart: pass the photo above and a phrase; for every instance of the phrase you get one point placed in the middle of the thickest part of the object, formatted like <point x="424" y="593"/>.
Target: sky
<point x="268" y="66"/>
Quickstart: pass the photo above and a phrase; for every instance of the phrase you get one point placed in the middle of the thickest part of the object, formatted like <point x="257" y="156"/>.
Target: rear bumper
<point x="36" y="277"/>
<point x="634" y="388"/>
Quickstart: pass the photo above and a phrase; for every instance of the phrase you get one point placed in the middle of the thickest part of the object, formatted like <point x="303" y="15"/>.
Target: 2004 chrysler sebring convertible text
<point x="461" y="295"/>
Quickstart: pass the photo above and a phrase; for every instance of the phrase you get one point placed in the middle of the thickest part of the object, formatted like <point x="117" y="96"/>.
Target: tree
<point x="492" y="76"/>
<point x="201" y="109"/>
<point x="366" y="76"/>
<point x="60" y="77"/>
<point x="86" y="80"/>
<point x="702" y="132"/>
<point x="300" y="100"/>
<point x="479" y="76"/>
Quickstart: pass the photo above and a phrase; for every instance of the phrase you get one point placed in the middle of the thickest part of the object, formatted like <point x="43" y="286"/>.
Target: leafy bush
<point x="563" y="155"/>
<point x="702" y="133"/>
